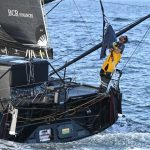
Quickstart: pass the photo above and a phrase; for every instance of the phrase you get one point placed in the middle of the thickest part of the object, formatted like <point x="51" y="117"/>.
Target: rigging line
<point x="60" y="118"/>
<point x="53" y="7"/>
<point x="69" y="105"/>
<point x="126" y="4"/>
<point x="83" y="20"/>
<point x="89" y="44"/>
<point x="84" y="105"/>
<point x="86" y="45"/>
<point x="78" y="117"/>
<point x="11" y="47"/>
<point x="124" y="26"/>
<point x="143" y="38"/>
<point x="4" y="73"/>
<point x="72" y="104"/>
<point x="2" y="89"/>
<point x="71" y="112"/>
<point x="56" y="73"/>
<point x="62" y="113"/>
<point x="96" y="47"/>
<point x="102" y="8"/>
<point x="94" y="100"/>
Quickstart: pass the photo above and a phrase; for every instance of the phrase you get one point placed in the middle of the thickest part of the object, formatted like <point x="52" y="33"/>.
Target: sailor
<point x="111" y="62"/>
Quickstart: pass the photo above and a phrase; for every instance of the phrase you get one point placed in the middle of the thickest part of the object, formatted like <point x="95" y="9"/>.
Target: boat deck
<point x="82" y="90"/>
<point x="72" y="94"/>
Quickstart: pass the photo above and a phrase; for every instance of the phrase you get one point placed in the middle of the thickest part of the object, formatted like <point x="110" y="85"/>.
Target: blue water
<point x="70" y="35"/>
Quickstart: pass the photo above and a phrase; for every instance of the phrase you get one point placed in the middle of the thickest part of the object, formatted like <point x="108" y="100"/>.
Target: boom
<point x="96" y="47"/>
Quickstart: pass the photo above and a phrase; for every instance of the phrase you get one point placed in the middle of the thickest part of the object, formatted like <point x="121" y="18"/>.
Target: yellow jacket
<point x="112" y="60"/>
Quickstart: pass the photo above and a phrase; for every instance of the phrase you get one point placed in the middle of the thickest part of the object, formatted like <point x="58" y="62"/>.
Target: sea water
<point x="74" y="26"/>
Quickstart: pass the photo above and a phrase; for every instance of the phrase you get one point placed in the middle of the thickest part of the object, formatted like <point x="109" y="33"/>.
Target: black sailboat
<point x="34" y="106"/>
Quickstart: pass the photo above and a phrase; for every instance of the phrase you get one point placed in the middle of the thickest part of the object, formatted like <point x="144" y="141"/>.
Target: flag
<point x="109" y="38"/>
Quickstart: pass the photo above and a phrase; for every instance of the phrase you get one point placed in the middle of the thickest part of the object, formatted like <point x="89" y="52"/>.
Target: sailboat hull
<point x="80" y="117"/>
<point x="35" y="108"/>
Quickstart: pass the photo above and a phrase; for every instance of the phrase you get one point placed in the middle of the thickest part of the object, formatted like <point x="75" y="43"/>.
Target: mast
<point x="96" y="47"/>
<point x="103" y="17"/>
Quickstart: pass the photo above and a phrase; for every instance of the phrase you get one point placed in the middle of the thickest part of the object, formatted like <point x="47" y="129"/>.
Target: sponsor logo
<point x="3" y="51"/>
<point x="16" y="13"/>
<point x="66" y="131"/>
<point x="42" y="40"/>
<point x="45" y="135"/>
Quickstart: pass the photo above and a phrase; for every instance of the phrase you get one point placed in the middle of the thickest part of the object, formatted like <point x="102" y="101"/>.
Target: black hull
<point x="39" y="108"/>
<point x="80" y="117"/>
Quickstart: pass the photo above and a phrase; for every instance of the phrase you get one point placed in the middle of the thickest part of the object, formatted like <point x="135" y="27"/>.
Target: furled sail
<point x="23" y="21"/>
